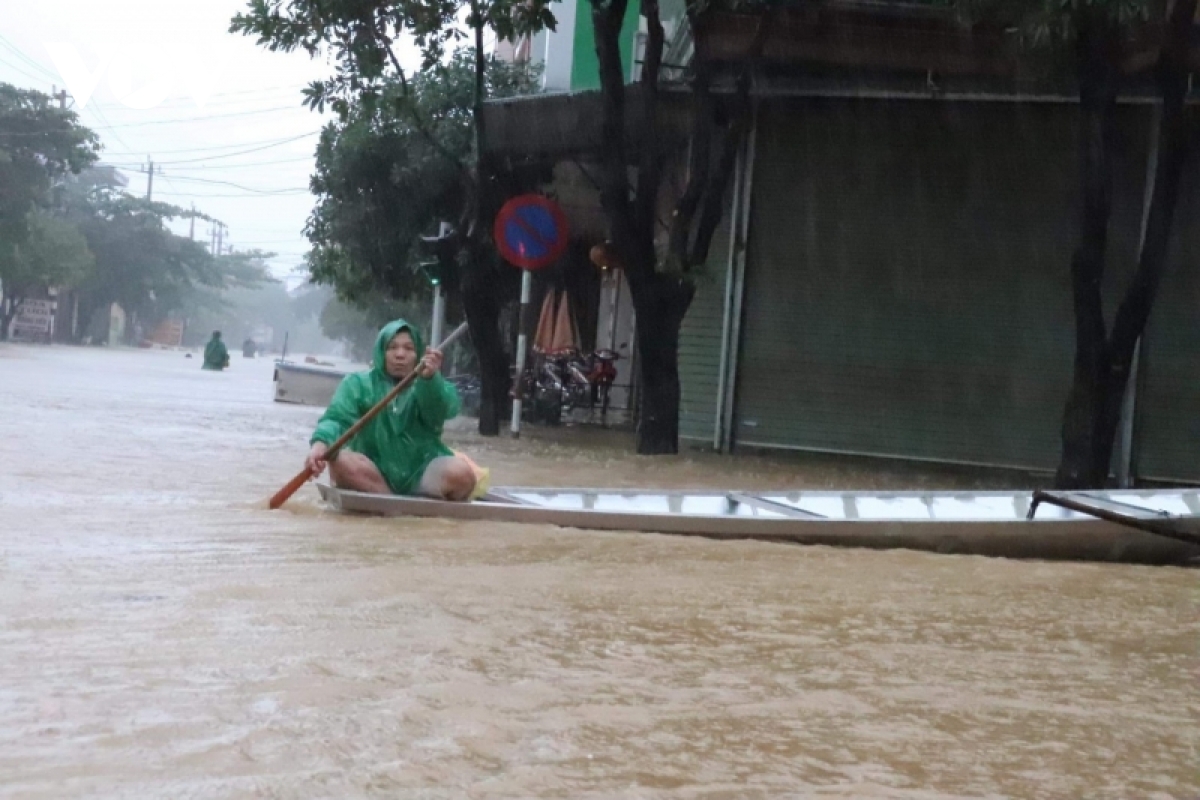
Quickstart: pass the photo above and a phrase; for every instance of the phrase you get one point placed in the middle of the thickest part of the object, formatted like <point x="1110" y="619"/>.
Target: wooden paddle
<point x="295" y="483"/>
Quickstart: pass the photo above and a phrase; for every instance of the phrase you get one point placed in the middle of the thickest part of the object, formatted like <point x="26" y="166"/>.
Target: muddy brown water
<point x="163" y="635"/>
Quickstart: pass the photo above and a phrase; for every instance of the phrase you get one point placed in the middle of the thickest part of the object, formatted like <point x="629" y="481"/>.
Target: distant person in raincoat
<point x="215" y="354"/>
<point x="401" y="450"/>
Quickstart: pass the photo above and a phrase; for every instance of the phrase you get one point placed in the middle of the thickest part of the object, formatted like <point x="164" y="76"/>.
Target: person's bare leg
<point x="447" y="478"/>
<point x="356" y="472"/>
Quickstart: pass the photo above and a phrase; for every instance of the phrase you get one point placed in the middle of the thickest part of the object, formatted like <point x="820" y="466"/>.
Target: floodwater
<point x="163" y="635"/>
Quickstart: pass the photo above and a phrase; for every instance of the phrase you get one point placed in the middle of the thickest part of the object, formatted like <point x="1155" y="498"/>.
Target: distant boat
<point x="306" y="384"/>
<point x="1143" y="526"/>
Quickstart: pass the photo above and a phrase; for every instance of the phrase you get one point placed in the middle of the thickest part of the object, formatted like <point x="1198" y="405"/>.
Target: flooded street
<point x="163" y="635"/>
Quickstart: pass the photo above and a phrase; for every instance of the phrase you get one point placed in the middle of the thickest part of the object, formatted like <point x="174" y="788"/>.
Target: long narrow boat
<point x="1143" y="526"/>
<point x="304" y="384"/>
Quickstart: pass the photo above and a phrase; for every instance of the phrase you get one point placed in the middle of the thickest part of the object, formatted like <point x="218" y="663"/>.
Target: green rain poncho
<point x="215" y="354"/>
<point x="407" y="435"/>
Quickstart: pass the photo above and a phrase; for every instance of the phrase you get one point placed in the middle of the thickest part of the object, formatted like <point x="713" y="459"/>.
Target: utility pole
<point x="212" y="232"/>
<point x="150" y="184"/>
<point x="192" y="230"/>
<point x="61" y="97"/>
<point x="220" y="237"/>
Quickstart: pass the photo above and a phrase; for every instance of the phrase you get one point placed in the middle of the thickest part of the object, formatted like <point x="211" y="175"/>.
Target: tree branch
<point x="419" y="121"/>
<point x="714" y="199"/>
<point x="699" y="161"/>
<point x="614" y="193"/>
<point x="1174" y="148"/>
<point x="650" y="164"/>
<point x="706" y="189"/>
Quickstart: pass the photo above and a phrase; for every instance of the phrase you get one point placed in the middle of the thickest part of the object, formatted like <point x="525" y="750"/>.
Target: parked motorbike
<point x="560" y="382"/>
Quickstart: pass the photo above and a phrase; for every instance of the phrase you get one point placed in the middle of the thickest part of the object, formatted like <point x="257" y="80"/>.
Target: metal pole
<point x="522" y="346"/>
<point x="742" y="235"/>
<point x="1126" y="454"/>
<point x="439" y="314"/>
<point x="615" y="311"/>
<point x="723" y="377"/>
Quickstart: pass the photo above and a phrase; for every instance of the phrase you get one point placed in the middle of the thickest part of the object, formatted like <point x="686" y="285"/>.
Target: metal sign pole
<point x="530" y="233"/>
<point x="439" y="314"/>
<point x="522" y="348"/>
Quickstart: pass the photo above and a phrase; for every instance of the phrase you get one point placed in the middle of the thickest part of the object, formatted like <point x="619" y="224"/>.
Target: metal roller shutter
<point x="700" y="344"/>
<point x="908" y="289"/>
<point x="1168" y="406"/>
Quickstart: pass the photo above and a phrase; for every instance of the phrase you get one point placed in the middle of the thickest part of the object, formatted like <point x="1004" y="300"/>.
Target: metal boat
<point x="306" y="384"/>
<point x="1141" y="526"/>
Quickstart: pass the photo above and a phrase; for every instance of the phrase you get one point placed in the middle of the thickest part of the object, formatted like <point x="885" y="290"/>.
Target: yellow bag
<point x="483" y="477"/>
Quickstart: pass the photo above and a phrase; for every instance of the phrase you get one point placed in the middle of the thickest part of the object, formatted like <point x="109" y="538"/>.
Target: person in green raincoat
<point x="401" y="450"/>
<point x="215" y="354"/>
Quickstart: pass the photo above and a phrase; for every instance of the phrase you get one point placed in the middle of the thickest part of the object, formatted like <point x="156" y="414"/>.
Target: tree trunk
<point x="481" y="304"/>
<point x="1098" y="79"/>
<point x="1174" y="147"/>
<point x="1102" y="363"/>
<point x="661" y="303"/>
<point x="8" y="312"/>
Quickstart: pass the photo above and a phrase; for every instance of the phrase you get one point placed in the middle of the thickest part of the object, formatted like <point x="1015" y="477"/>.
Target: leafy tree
<point x="357" y="325"/>
<point x="381" y="184"/>
<point x="661" y="281"/>
<point x="236" y="312"/>
<point x="140" y="264"/>
<point x="359" y="37"/>
<point x="53" y="254"/>
<point x="39" y="143"/>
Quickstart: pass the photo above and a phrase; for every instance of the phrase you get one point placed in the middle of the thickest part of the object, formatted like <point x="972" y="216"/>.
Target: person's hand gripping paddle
<point x="295" y="483"/>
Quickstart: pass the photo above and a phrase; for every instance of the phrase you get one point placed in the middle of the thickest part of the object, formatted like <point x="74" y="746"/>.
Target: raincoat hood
<point x="386" y="334"/>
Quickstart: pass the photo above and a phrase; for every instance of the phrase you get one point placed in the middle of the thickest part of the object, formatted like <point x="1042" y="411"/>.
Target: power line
<point x="130" y="164"/>
<point x="31" y="76"/>
<point x="293" y="240"/>
<point x="281" y="193"/>
<point x="100" y="115"/>
<point x="290" y="88"/>
<point x="234" y="185"/>
<point x="272" y="90"/>
<point x="31" y="62"/>
<point x="50" y="77"/>
<point x="269" y="143"/>
<point x="205" y="118"/>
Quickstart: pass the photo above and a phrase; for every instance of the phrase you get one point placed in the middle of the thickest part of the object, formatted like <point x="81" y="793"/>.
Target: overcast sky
<point x="174" y="85"/>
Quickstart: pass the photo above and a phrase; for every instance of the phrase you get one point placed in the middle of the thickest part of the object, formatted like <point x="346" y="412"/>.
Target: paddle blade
<point x="293" y="485"/>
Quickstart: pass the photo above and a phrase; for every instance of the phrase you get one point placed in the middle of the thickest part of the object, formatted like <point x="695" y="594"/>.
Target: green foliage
<point x="236" y="312"/>
<point x="39" y="144"/>
<point x="358" y="324"/>
<point x="52" y="253"/>
<point x="65" y="223"/>
<point x="55" y="252"/>
<point x="381" y="183"/>
<point x="1042" y="24"/>
<point x="394" y="164"/>
<point x="358" y="35"/>
<point x="139" y="262"/>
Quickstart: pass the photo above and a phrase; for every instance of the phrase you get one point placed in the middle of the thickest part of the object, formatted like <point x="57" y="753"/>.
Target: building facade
<point x="892" y="275"/>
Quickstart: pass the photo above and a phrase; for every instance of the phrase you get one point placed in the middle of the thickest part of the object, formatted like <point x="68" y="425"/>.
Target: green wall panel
<point x="585" y="66"/>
